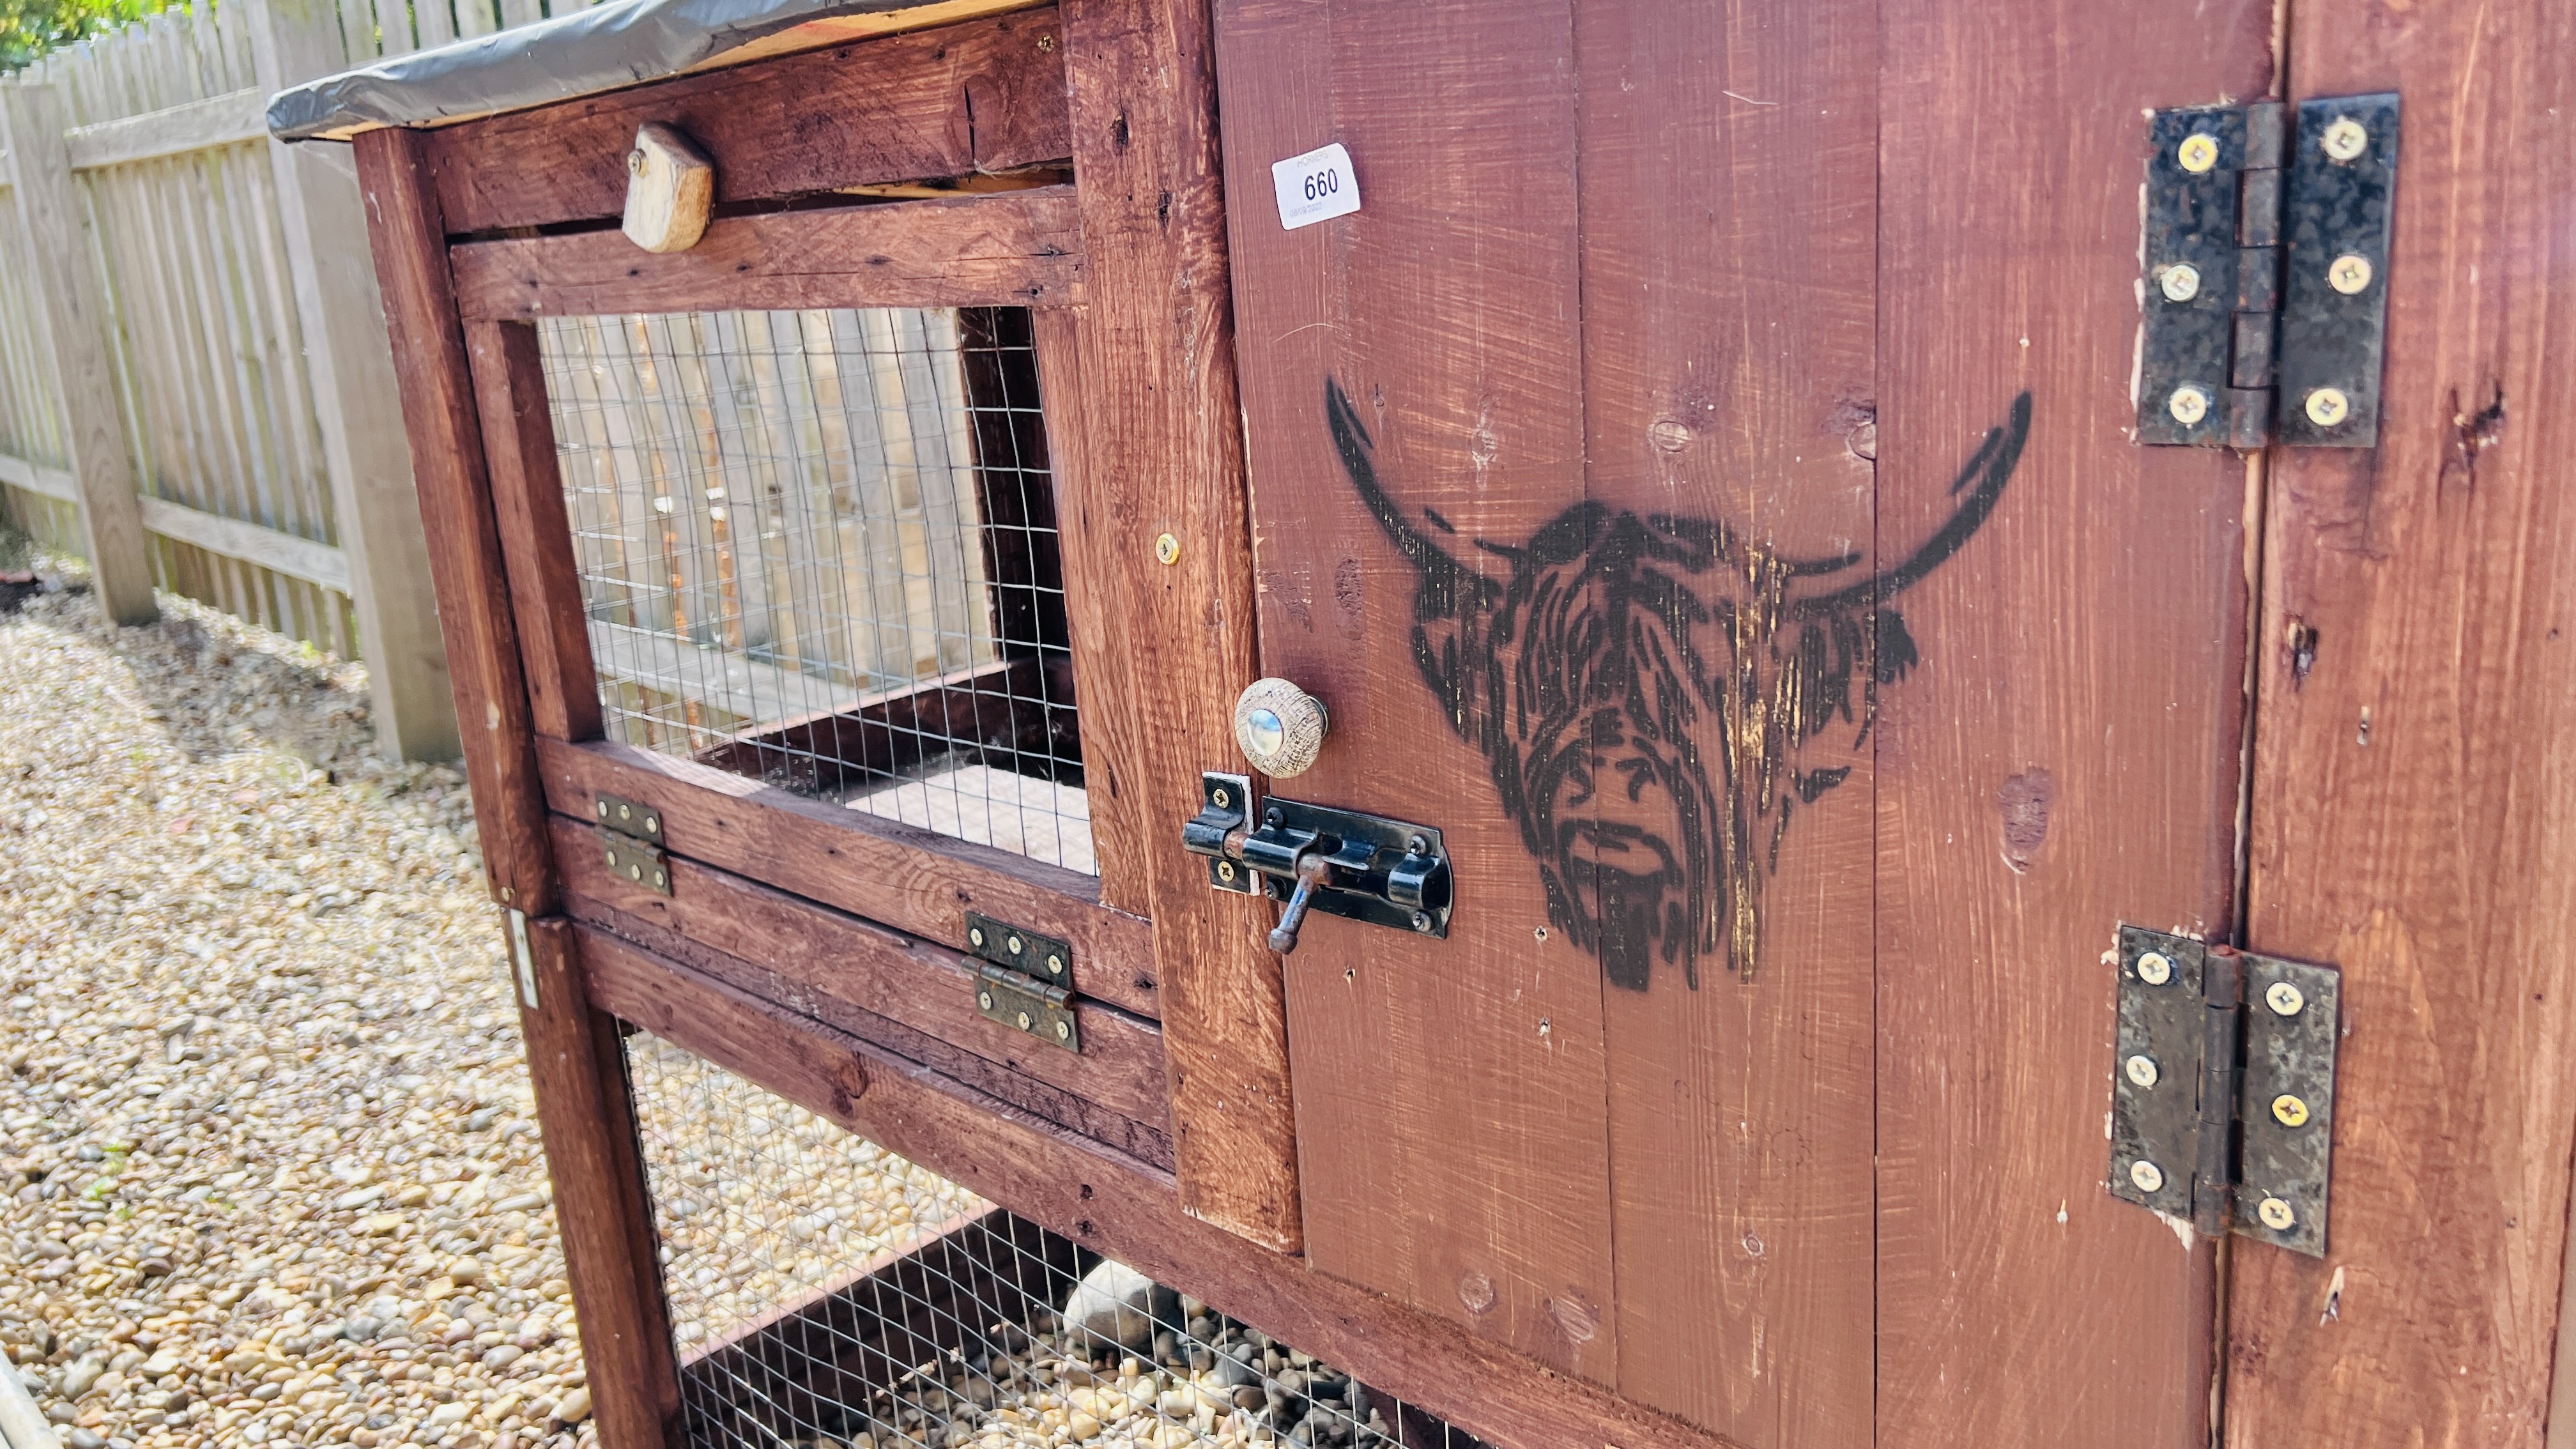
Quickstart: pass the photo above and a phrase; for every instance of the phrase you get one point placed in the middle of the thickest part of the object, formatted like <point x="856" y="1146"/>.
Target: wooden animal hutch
<point x="1783" y="640"/>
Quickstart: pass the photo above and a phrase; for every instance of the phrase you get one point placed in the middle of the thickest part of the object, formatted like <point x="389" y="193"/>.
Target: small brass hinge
<point x="1025" y="980"/>
<point x="630" y="836"/>
<point x="2222" y="1094"/>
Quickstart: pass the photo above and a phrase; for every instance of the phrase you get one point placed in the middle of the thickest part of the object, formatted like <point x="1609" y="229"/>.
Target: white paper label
<point x="1315" y="187"/>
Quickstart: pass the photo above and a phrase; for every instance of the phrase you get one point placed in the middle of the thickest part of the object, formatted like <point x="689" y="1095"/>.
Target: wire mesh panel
<point x="819" y="549"/>
<point x="826" y="1294"/>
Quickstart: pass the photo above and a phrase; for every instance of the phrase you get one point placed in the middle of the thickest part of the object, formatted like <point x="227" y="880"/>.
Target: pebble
<point x="254" y="1033"/>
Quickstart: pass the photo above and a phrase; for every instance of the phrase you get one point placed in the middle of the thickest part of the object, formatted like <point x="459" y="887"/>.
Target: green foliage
<point x="30" y="28"/>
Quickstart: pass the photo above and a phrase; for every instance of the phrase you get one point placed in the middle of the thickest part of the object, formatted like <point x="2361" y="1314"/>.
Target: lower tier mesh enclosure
<point x="826" y="1294"/>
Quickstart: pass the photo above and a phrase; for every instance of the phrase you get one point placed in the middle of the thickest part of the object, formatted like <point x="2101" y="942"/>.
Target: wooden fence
<point x="195" y="387"/>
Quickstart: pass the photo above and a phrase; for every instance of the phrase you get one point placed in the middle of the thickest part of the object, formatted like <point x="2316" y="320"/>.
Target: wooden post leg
<point x="578" y="1067"/>
<point x="71" y="329"/>
<point x="356" y="399"/>
<point x="409" y="240"/>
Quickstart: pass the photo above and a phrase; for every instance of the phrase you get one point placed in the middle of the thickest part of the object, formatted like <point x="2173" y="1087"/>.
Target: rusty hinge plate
<point x="1025" y="980"/>
<point x="1026" y="1005"/>
<point x="2222" y="1096"/>
<point x="1043" y="959"/>
<point x="2266" y="255"/>
<point x="2334" y="294"/>
<point x="634" y="861"/>
<point x="2212" y="264"/>
<point x="629" y="818"/>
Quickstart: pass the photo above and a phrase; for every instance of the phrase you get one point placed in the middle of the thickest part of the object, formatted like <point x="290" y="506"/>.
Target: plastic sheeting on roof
<point x="619" y="44"/>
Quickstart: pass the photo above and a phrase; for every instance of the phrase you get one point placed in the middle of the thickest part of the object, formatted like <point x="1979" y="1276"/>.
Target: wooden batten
<point x="535" y="530"/>
<point x="910" y="880"/>
<point x="2137" y="738"/>
<point x="1113" y="1204"/>
<point x="978" y="98"/>
<point x="1164" y="443"/>
<point x="812" y="952"/>
<point x="868" y="1020"/>
<point x="2415" y="760"/>
<point x="1003" y="249"/>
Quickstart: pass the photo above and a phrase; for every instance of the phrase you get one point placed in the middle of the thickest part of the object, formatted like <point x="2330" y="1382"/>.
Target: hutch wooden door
<point x="1699" y="476"/>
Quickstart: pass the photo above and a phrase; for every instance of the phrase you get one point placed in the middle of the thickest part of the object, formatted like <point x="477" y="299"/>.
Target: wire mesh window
<point x="826" y="1294"/>
<point x="819" y="548"/>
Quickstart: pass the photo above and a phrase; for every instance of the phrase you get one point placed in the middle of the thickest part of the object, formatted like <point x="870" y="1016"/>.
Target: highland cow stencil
<point x="1657" y="697"/>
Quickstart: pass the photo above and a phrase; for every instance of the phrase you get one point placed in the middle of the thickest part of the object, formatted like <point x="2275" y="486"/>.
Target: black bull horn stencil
<point x="1645" y="689"/>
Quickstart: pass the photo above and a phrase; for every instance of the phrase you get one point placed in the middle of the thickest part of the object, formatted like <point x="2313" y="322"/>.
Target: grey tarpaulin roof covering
<point x="617" y="44"/>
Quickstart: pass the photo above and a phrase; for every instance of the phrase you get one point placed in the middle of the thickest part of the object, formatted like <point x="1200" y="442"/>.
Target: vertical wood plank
<point x="439" y="413"/>
<point x="1089" y="537"/>
<point x="536" y="533"/>
<point x="577" y="1065"/>
<point x="2063" y="754"/>
<point x="1728" y="175"/>
<point x="72" y="324"/>
<point x="1449" y="1093"/>
<point x="350" y="363"/>
<point x="1164" y="438"/>
<point x="2414" y="814"/>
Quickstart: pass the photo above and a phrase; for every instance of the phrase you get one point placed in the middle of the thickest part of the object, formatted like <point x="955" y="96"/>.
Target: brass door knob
<point x="1280" y="727"/>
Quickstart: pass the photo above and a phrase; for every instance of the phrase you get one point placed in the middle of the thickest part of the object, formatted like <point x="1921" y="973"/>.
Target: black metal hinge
<point x="1025" y="980"/>
<point x="2266" y="292"/>
<point x="2222" y="1096"/>
<point x="630" y="836"/>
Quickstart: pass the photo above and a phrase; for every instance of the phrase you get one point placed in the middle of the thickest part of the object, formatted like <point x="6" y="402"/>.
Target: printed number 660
<point x="1322" y="184"/>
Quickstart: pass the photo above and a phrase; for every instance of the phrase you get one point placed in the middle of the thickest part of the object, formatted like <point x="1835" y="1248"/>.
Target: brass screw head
<point x="2345" y="139"/>
<point x="2141" y="1069"/>
<point x="2350" y="273"/>
<point x="2277" y="1215"/>
<point x="2197" y="153"/>
<point x="1055" y="963"/>
<point x="2327" y="406"/>
<point x="625" y="812"/>
<point x="1064" y="1031"/>
<point x="635" y="162"/>
<point x="1221" y="798"/>
<point x="1012" y="944"/>
<point x="611" y="853"/>
<point x="2188" y="405"/>
<point x="1168" y="549"/>
<point x="2146" y="1176"/>
<point x="634" y="872"/>
<point x="984" y="999"/>
<point x="1024" y="1021"/>
<point x="2289" y="1111"/>
<point x="603" y="809"/>
<point x="2180" y="283"/>
<point x="2155" y="968"/>
<point x="976" y="935"/>
<point x="652" y="824"/>
<point x="1225" y="870"/>
<point x="2284" y="999"/>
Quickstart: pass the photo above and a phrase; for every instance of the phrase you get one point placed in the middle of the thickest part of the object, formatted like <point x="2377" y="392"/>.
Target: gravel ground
<point x="268" y="1166"/>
